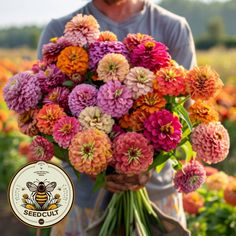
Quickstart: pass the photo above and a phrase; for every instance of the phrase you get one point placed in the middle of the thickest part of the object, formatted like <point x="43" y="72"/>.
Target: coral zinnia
<point x="27" y="122"/>
<point x="52" y="50"/>
<point x="171" y="81"/>
<point x="211" y="142"/>
<point x="99" y="49"/>
<point x="163" y="129"/>
<point x="192" y="202"/>
<point x="190" y="178"/>
<point x="82" y="96"/>
<point x="50" y="78"/>
<point x="47" y="117"/>
<point x="151" y="55"/>
<point x="230" y="193"/>
<point x="113" y="67"/>
<point x="107" y="36"/>
<point x="150" y="102"/>
<point x="217" y="181"/>
<point x="139" y="80"/>
<point x="90" y="151"/>
<point x="22" y="92"/>
<point x="82" y="30"/>
<point x="131" y="41"/>
<point x="40" y="150"/>
<point x="73" y="60"/>
<point x="64" y="130"/>
<point x="202" y="112"/>
<point x="132" y="153"/>
<point x="203" y="83"/>
<point x="114" y="99"/>
<point x="58" y="96"/>
<point x="93" y="117"/>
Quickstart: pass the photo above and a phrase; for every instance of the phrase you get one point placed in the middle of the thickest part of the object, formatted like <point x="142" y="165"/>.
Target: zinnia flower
<point x="113" y="67"/>
<point x="107" y="36"/>
<point x="163" y="130"/>
<point x="82" y="30"/>
<point x="23" y="148"/>
<point x="27" y="122"/>
<point x="40" y="150"/>
<point x="82" y="96"/>
<point x="192" y="202"/>
<point x="48" y="116"/>
<point x="73" y="60"/>
<point x="99" y="49"/>
<point x="58" y="96"/>
<point x="52" y="50"/>
<point x="93" y="117"/>
<point x="114" y="99"/>
<point x="131" y="41"/>
<point x="90" y="151"/>
<point x="64" y="130"/>
<point x="151" y="102"/>
<point x="50" y="78"/>
<point x="217" y="181"/>
<point x="203" y="82"/>
<point x="230" y="193"/>
<point x="211" y="142"/>
<point x="171" y="81"/>
<point x="190" y="178"/>
<point x="151" y="55"/>
<point x="132" y="153"/>
<point x="22" y="92"/>
<point x="139" y="80"/>
<point x="202" y="112"/>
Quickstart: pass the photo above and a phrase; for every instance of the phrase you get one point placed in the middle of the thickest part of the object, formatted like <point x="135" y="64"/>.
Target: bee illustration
<point x="41" y="197"/>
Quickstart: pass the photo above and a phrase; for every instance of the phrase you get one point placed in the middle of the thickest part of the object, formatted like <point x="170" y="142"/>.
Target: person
<point x="123" y="17"/>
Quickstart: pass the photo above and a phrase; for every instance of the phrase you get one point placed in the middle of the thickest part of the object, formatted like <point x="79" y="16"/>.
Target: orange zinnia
<point x="151" y="102"/>
<point x="202" y="112"/>
<point x="73" y="60"/>
<point x="48" y="116"/>
<point x="107" y="36"/>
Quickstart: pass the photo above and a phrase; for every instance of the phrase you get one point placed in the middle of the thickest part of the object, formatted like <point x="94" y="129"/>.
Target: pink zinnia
<point x="150" y="55"/>
<point x="64" y="130"/>
<point x="190" y="178"/>
<point x="211" y="142"/>
<point x="114" y="98"/>
<point x="40" y="150"/>
<point x="163" y="129"/>
<point x="132" y="153"/>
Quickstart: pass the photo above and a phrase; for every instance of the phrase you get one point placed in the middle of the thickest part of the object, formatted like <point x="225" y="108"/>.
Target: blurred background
<point x="213" y="26"/>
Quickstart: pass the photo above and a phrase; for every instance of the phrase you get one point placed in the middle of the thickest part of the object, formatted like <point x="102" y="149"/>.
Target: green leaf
<point x="160" y="159"/>
<point x="100" y="181"/>
<point x="187" y="148"/>
<point x="68" y="83"/>
<point x="183" y="114"/>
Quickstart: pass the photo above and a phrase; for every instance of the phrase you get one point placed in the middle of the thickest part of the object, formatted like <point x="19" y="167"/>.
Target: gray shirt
<point x="165" y="27"/>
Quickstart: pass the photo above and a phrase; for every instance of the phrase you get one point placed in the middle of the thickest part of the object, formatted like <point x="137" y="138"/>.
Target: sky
<point x="26" y="12"/>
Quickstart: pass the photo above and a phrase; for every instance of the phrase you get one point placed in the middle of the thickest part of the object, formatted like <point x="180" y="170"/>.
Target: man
<point x="123" y="17"/>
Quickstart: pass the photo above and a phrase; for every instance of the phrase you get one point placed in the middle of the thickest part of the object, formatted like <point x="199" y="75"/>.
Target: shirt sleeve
<point x="181" y="44"/>
<point x="53" y="29"/>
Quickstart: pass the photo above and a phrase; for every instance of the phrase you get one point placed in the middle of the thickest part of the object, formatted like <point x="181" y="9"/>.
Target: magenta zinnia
<point x="64" y="130"/>
<point x="40" y="149"/>
<point x="211" y="142"/>
<point x="114" y="99"/>
<point x="163" y="129"/>
<point x="150" y="55"/>
<point x="22" y="92"/>
<point x="132" y="153"/>
<point x="82" y="96"/>
<point x="190" y="178"/>
<point x="90" y="151"/>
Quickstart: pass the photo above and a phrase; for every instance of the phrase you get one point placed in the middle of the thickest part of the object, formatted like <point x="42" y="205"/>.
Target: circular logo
<point x="41" y="194"/>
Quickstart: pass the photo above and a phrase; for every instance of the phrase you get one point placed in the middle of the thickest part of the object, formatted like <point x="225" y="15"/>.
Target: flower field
<point x="211" y="209"/>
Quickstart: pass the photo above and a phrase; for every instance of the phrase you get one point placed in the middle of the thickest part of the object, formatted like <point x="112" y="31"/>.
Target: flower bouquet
<point x="106" y="106"/>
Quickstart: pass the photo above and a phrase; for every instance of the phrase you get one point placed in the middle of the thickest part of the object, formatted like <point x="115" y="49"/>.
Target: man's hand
<point x="120" y="182"/>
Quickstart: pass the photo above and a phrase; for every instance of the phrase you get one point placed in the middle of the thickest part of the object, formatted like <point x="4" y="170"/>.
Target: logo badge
<point x="41" y="194"/>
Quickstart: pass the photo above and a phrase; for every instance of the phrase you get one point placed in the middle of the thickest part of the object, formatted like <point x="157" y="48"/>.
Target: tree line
<point x="211" y="23"/>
